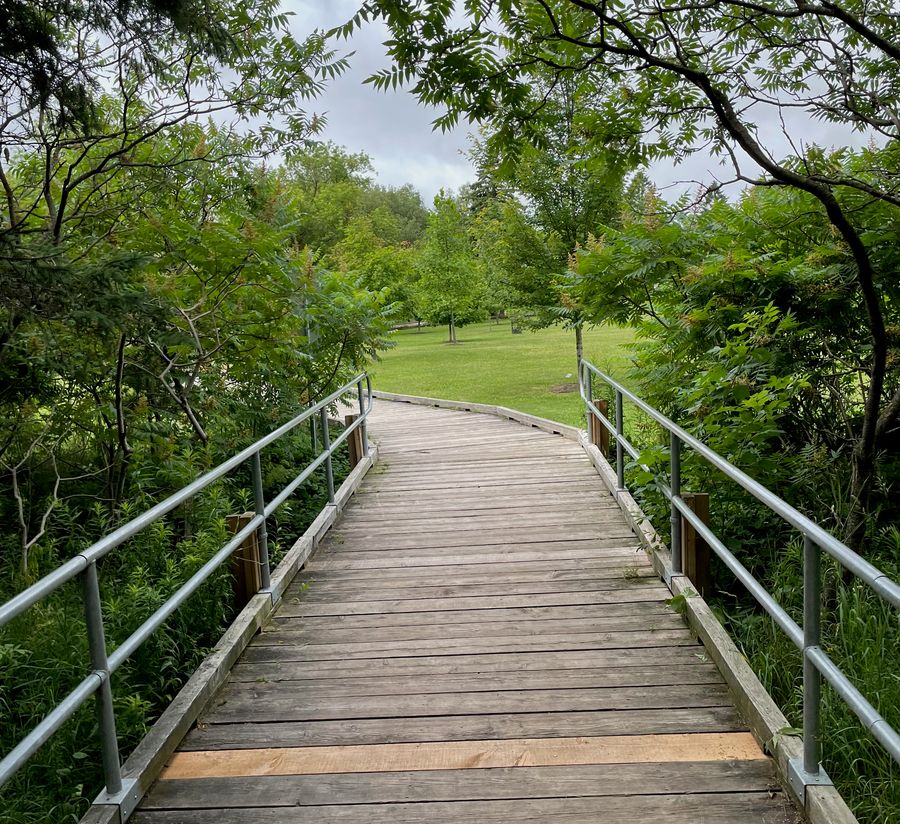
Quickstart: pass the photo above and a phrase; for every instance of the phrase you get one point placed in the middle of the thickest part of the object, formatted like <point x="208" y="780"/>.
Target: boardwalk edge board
<point x="824" y="804"/>
<point x="150" y="756"/>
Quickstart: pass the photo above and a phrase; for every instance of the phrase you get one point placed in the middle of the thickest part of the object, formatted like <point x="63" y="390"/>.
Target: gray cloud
<point x="395" y="130"/>
<point x="391" y="127"/>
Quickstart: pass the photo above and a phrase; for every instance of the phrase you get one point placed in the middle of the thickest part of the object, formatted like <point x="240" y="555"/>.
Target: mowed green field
<point x="528" y="371"/>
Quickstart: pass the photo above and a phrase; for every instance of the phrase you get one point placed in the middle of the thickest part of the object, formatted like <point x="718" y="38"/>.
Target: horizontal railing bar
<point x="58" y="716"/>
<point x="871" y="719"/>
<point x="775" y="610"/>
<point x="626" y="444"/>
<point x="289" y="490"/>
<point x="30" y="596"/>
<point x="884" y="586"/>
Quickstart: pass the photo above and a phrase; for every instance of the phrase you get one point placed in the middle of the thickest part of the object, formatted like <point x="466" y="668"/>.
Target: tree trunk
<point x="579" y="345"/>
<point x="452" y="330"/>
<point x="862" y="477"/>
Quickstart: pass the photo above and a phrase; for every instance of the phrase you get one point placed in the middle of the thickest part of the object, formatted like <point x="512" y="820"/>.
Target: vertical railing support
<point x="674" y="514"/>
<point x="262" y="536"/>
<point x="620" y="450"/>
<point x="812" y="680"/>
<point x="326" y="447"/>
<point x="363" y="429"/>
<point x="109" y="744"/>
<point x="585" y="383"/>
<point x="806" y="770"/>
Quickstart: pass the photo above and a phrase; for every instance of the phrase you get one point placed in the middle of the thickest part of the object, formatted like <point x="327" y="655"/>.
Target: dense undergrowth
<point x="44" y="654"/>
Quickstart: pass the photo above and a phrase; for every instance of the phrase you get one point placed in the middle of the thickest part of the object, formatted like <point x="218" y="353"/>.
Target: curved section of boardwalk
<point x="479" y="639"/>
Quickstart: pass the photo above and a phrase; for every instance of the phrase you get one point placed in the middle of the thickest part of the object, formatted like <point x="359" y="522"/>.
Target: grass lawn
<point x="491" y="365"/>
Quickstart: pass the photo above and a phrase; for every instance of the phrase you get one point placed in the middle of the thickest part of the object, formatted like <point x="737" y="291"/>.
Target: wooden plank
<point x="363" y="649"/>
<point x="253" y="681"/>
<point x="294" y="630"/>
<point x="461" y="727"/>
<point x="511" y="665"/>
<point x="469" y="538"/>
<point x="450" y="617"/>
<point x="465" y="755"/>
<point x="402" y="588"/>
<point x="558" y="568"/>
<point x="502" y="485"/>
<point x="361" y="528"/>
<point x="457" y="785"/>
<point x="280" y="704"/>
<point x="551" y="599"/>
<point x="715" y="808"/>
<point x="617" y="554"/>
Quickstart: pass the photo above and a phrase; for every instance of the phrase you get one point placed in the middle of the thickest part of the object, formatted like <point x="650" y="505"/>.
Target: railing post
<point x="695" y="552"/>
<point x="326" y="445"/>
<point x="674" y="514"/>
<point x="363" y="429"/>
<point x="354" y="442"/>
<point x="620" y="450"/>
<point x="599" y="433"/>
<point x="245" y="563"/>
<point x="262" y="536"/>
<point x="812" y="680"/>
<point x="109" y="744"/>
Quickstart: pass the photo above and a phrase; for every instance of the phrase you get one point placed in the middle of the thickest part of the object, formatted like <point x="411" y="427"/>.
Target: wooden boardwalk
<point x="478" y="639"/>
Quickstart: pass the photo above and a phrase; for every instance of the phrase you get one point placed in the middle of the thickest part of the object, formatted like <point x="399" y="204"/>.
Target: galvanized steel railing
<point x="817" y="664"/>
<point x="84" y="564"/>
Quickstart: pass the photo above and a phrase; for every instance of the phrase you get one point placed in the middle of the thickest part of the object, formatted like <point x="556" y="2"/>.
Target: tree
<point x="700" y="76"/>
<point x="450" y="289"/>
<point x="570" y="182"/>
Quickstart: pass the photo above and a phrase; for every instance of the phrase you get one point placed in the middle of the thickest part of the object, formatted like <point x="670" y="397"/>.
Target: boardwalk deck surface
<point x="478" y="639"/>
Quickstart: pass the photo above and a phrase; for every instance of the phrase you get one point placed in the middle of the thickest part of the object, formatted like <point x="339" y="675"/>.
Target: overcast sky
<point x="395" y="130"/>
<point x="391" y="127"/>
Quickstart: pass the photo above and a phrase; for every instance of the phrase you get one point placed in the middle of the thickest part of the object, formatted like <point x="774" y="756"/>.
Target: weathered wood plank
<point x="500" y="666"/>
<point x="617" y="553"/>
<point x="549" y="569"/>
<point x="717" y="808"/>
<point x="549" y="599"/>
<point x="295" y="631"/>
<point x="280" y="704"/>
<point x="463" y="727"/>
<point x="629" y="676"/>
<point x="385" y="589"/>
<point x="458" y="785"/>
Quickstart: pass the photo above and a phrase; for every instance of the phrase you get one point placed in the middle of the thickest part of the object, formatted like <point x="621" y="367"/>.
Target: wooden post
<point x="599" y="433"/>
<point x="355" y="441"/>
<point x="245" y="563"/>
<point x="695" y="552"/>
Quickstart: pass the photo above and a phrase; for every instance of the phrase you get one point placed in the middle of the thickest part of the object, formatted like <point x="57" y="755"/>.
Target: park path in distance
<point x="480" y="638"/>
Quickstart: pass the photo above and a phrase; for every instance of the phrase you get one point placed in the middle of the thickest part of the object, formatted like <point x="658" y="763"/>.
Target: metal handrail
<point x="816" y="663"/>
<point x="84" y="564"/>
